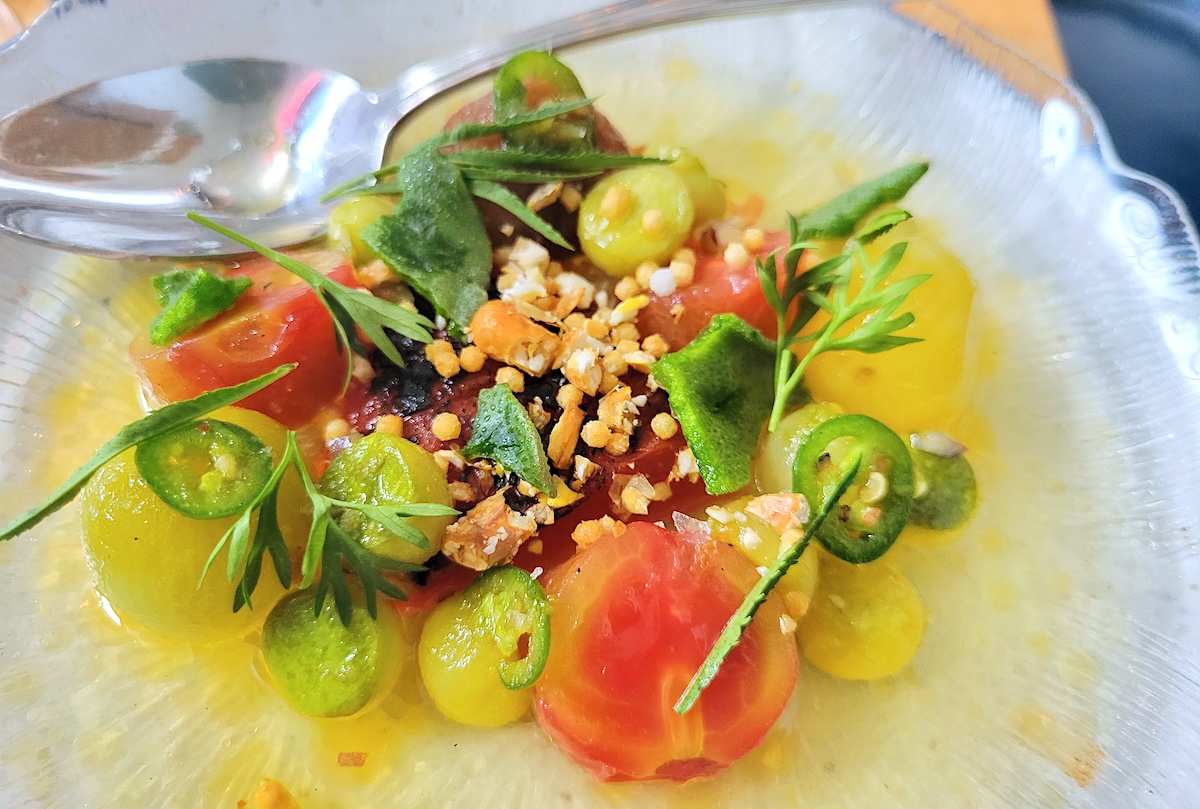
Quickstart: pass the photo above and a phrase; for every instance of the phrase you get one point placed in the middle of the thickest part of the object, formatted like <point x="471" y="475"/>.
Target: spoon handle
<point x="425" y="80"/>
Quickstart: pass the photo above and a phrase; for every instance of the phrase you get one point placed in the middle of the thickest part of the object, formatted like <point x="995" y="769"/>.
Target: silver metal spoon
<point x="113" y="167"/>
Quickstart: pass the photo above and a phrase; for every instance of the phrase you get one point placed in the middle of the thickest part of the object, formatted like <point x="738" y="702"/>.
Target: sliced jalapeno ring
<point x="875" y="508"/>
<point x="514" y="606"/>
<point x="944" y="490"/>
<point x="206" y="469"/>
<point x="531" y="79"/>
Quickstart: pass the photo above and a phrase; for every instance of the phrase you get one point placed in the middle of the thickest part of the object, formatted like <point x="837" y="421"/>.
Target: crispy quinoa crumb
<point x="571" y="197"/>
<point x="664" y="426"/>
<point x="471" y="359"/>
<point x="446" y="426"/>
<point x="627" y="288"/>
<point x="442" y="355"/>
<point x="616" y="202"/>
<point x="596" y="434"/>
<point x="511" y="377"/>
<point x="336" y="428"/>
<point x="390" y="423"/>
<point x="736" y="256"/>
<point x="653" y="222"/>
<point x="684" y="273"/>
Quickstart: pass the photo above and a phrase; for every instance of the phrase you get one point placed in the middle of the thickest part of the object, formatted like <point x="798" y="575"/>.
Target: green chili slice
<point x="205" y="469"/>
<point x="876" y="505"/>
<point x="526" y="82"/>
<point x="514" y="608"/>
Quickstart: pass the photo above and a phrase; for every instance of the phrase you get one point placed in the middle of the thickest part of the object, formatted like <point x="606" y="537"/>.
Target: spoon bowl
<point x="114" y="166"/>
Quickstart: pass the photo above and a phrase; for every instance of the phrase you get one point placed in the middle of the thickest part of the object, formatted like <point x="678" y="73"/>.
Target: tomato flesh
<point x="633" y="618"/>
<point x="716" y="288"/>
<point x="278" y="320"/>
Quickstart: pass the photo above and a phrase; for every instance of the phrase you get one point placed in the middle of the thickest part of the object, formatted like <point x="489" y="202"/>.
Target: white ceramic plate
<point x="1061" y="667"/>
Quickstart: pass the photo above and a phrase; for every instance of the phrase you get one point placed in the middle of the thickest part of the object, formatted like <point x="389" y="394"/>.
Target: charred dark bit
<point x="406" y="390"/>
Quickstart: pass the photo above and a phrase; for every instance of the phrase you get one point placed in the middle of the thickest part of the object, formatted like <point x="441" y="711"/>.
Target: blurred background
<point x="1139" y="61"/>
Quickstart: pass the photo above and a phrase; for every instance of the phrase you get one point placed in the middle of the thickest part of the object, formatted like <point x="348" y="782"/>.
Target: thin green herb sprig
<point x="350" y="309"/>
<point x="826" y="287"/>
<point x="503" y="165"/>
<point x="731" y="635"/>
<point x="329" y="551"/>
<point x="485" y="169"/>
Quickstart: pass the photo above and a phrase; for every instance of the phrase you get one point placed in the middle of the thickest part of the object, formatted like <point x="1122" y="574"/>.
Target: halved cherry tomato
<point x="634" y="616"/>
<point x="278" y="320"/>
<point x="715" y="289"/>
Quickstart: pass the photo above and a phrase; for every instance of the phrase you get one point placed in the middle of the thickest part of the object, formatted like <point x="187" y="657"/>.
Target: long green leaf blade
<point x="732" y="633"/>
<point x="499" y="195"/>
<point x="160" y="421"/>
<point x="342" y="302"/>
<point x="522" y="159"/>
<point x="473" y="131"/>
<point x="838" y="217"/>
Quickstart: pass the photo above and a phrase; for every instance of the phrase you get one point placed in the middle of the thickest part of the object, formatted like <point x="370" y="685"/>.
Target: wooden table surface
<point x="1026" y="25"/>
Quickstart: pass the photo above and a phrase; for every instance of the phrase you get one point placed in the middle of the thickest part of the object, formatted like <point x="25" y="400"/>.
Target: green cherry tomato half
<point x="328" y="669"/>
<point x="875" y="508"/>
<point x="945" y="491"/>
<point x="480" y="650"/>
<point x="207" y="469"/>
<point x="634" y="215"/>
<point x="350" y="218"/>
<point x="708" y="194"/>
<point x="384" y="469"/>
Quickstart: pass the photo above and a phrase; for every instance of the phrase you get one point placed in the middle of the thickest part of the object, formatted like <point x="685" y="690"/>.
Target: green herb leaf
<point x="827" y="285"/>
<point x="511" y="123"/>
<point x="461" y="134"/>
<point x="720" y="390"/>
<point x="391" y="518"/>
<point x="549" y="162"/>
<point x="524" y="175"/>
<point x="732" y="633"/>
<point x="191" y="298"/>
<point x="838" y="218"/>
<point x="267" y="538"/>
<point x="342" y="550"/>
<point x="504" y="433"/>
<point x="348" y="307"/>
<point x="498" y="194"/>
<point x="876" y="304"/>
<point x="879" y="226"/>
<point x="435" y="240"/>
<point x="329" y="549"/>
<point x="157" y="423"/>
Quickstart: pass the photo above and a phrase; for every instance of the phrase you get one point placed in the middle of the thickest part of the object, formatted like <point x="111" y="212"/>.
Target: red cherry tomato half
<point x="634" y="616"/>
<point x="278" y="320"/>
<point x="716" y="289"/>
